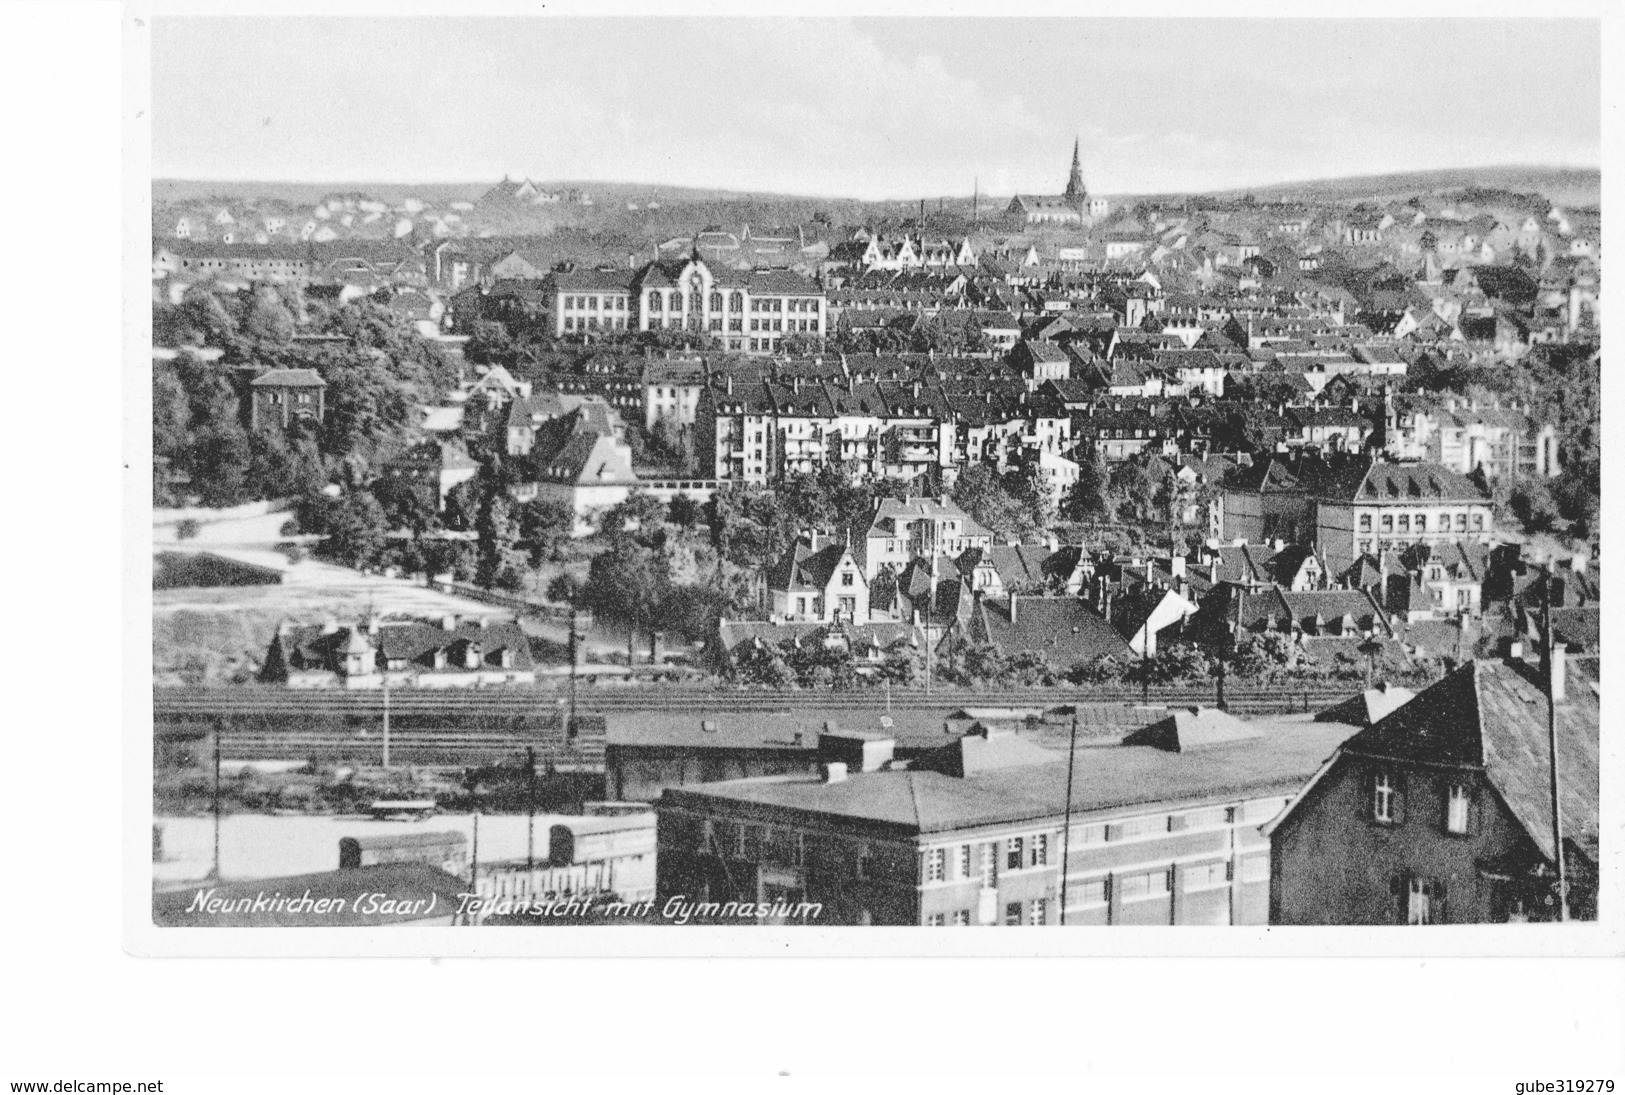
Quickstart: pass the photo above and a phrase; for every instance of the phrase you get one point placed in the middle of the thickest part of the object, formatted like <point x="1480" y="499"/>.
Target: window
<point x="1461" y="522"/>
<point x="1388" y="522"/>
<point x="962" y="861"/>
<point x="846" y="577"/>
<point x="1365" y="522"/>
<point x="936" y="920"/>
<point x="736" y="301"/>
<point x="1141" y="887"/>
<point x="936" y="865"/>
<point x="864" y="862"/>
<point x="1038" y="850"/>
<point x="1038" y="912"/>
<point x="961" y="918"/>
<point x="1365" y="547"/>
<point x="1384" y="798"/>
<point x="1419" y="901"/>
<point x="1404" y="522"/>
<point x="1456" y="804"/>
<point x="990" y="864"/>
<point x="1014" y="853"/>
<point x="1091" y="891"/>
<point x="1206" y="876"/>
<point x="656" y="302"/>
<point x="1012" y="914"/>
<point x="716" y="302"/>
<point x="1421" y="522"/>
<point x="1089" y="834"/>
<point x="1478" y="522"/>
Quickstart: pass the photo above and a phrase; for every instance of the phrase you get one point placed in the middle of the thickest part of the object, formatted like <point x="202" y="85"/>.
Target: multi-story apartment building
<point x="1163" y="829"/>
<point x="1460" y="434"/>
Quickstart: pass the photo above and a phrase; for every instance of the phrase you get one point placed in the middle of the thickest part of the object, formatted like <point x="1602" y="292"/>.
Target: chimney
<point x="730" y="384"/>
<point x="1557" y="673"/>
<point x="471" y="656"/>
<point x="372" y="624"/>
<point x="1013" y="600"/>
<point x="448" y="622"/>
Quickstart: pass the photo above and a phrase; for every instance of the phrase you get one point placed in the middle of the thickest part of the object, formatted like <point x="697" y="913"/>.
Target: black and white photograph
<point x="553" y="537"/>
<point x="846" y="493"/>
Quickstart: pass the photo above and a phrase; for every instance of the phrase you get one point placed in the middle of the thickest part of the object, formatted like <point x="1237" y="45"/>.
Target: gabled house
<point x="449" y="653"/>
<point x="1442" y="812"/>
<point x="818" y="581"/>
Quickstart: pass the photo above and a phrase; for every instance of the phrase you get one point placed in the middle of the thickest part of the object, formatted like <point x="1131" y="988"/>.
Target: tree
<point x="408" y="505"/>
<point x="1531" y="502"/>
<point x="356" y="529"/>
<point x="565" y="588"/>
<point x="639" y="512"/>
<point x="462" y="506"/>
<point x="1085" y="500"/>
<point x="500" y="564"/>
<point x="684" y="512"/>
<point x="266" y="319"/>
<point x="883" y="590"/>
<point x="988" y="498"/>
<point x="545" y="527"/>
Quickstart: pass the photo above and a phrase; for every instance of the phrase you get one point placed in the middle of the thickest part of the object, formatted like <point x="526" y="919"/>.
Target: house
<point x="283" y="396"/>
<point x="1442" y="812"/>
<point x="820" y="581"/>
<point x="975" y="832"/>
<point x="909" y="528"/>
<point x="450" y="653"/>
<point x="671" y="391"/>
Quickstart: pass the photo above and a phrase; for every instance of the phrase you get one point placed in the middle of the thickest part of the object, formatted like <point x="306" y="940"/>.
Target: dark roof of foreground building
<point x="1118" y="778"/>
<point x="1492" y="715"/>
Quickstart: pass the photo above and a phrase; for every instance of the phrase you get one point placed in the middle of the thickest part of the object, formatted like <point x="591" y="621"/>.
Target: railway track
<point x="534" y="703"/>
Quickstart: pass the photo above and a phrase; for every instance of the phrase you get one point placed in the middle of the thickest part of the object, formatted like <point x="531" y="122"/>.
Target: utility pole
<point x="575" y="640"/>
<point x="1066" y="831"/>
<point x="386" y="714"/>
<point x="1551" y="739"/>
<point x="530" y="808"/>
<point x="214" y="871"/>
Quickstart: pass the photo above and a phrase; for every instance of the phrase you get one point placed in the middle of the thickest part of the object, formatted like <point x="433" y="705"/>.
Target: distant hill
<point x="1575" y="186"/>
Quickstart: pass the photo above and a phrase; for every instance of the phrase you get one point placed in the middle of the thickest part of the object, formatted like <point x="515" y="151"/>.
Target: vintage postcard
<point x="753" y="478"/>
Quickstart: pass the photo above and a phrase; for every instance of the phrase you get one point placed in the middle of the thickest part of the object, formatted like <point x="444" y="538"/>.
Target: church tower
<point x="1075" y="192"/>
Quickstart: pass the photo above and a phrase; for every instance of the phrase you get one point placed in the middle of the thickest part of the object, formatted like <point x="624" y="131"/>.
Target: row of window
<point x="735" y="303"/>
<point x="957" y="863"/>
<point x="1386" y="802"/>
<point x="612" y="303"/>
<point x="613" y="323"/>
<point x="1406" y="522"/>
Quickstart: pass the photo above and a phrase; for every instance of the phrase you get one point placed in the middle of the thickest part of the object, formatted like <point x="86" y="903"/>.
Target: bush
<point x="187" y="529"/>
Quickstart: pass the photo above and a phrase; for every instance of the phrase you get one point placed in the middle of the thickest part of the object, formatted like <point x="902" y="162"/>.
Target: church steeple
<point x="1075" y="191"/>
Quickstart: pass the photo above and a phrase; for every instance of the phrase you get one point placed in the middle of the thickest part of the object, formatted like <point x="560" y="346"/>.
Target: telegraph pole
<point x="214" y="871"/>
<point x="386" y="714"/>
<point x="530" y="808"/>
<point x="1551" y="739"/>
<point x="1066" y="831"/>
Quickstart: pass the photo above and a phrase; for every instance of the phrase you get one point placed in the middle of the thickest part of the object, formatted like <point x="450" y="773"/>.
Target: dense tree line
<point x="203" y="447"/>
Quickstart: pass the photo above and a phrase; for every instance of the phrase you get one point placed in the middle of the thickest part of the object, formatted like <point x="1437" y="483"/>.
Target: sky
<point x="869" y="108"/>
